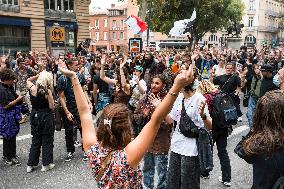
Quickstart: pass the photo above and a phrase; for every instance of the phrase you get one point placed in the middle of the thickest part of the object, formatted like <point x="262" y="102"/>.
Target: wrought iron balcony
<point x="61" y="15"/>
<point x="272" y="13"/>
<point x="270" y="29"/>
<point x="9" y="8"/>
<point x="251" y="11"/>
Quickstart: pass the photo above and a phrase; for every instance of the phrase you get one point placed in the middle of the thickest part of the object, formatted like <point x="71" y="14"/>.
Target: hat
<point x="266" y="68"/>
<point x="139" y="68"/>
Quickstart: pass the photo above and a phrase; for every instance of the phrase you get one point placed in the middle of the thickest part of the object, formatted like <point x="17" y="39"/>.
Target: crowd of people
<point x="165" y="108"/>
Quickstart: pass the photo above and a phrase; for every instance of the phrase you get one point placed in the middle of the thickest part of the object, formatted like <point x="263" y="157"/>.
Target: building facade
<point x="262" y="27"/>
<point x="107" y="28"/>
<point x="27" y="24"/>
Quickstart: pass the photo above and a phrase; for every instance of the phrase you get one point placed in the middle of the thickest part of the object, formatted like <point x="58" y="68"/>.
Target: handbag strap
<point x="226" y="82"/>
<point x="103" y="166"/>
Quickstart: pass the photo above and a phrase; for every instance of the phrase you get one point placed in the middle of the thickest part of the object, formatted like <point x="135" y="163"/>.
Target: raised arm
<point x="125" y="86"/>
<point x="103" y="76"/>
<point x="88" y="131"/>
<point x="139" y="146"/>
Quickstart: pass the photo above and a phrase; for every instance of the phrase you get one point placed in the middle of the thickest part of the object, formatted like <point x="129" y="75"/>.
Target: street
<point x="76" y="174"/>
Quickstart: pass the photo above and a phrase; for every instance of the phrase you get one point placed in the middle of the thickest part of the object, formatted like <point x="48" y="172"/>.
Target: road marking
<point x="23" y="137"/>
<point x="235" y="132"/>
<point x="239" y="130"/>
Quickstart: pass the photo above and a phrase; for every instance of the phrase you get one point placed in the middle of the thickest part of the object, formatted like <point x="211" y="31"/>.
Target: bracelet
<point x="74" y="78"/>
<point x="173" y="94"/>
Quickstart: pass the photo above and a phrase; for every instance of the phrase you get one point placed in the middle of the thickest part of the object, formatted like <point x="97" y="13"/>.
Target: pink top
<point x="118" y="173"/>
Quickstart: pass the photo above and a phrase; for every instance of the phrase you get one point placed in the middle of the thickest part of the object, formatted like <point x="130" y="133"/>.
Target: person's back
<point x="266" y="169"/>
<point x="117" y="173"/>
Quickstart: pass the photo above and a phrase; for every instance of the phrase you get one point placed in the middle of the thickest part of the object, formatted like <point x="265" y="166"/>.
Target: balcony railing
<point x="9" y="8"/>
<point x="272" y="13"/>
<point x="270" y="29"/>
<point x="250" y="29"/>
<point x="251" y="11"/>
<point x="62" y="15"/>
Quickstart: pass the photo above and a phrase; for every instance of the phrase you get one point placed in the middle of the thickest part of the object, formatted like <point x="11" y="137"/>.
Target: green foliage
<point x="211" y="15"/>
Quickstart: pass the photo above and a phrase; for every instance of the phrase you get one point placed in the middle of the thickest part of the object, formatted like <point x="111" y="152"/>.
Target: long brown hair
<point x="117" y="134"/>
<point x="267" y="134"/>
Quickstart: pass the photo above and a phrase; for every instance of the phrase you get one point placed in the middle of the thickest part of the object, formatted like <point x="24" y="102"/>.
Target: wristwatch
<point x="203" y="117"/>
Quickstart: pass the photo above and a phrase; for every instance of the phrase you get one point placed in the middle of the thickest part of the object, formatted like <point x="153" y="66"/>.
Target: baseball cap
<point x="139" y="68"/>
<point x="266" y="68"/>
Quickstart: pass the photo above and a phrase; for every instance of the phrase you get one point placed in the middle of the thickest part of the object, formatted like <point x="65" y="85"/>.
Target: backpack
<point x="224" y="111"/>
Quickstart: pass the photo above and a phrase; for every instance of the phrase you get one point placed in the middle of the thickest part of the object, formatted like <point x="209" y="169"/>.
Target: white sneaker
<point x="228" y="184"/>
<point x="77" y="144"/>
<point x="47" y="167"/>
<point x="30" y="169"/>
<point x="240" y="119"/>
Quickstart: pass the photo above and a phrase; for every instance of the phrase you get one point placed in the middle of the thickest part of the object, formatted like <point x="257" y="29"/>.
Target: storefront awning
<point x="71" y="25"/>
<point x="12" y="21"/>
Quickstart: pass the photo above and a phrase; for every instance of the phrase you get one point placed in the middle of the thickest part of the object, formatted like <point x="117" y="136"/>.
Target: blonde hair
<point x="206" y="86"/>
<point x="45" y="80"/>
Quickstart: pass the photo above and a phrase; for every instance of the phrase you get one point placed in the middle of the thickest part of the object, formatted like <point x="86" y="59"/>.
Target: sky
<point x="102" y="3"/>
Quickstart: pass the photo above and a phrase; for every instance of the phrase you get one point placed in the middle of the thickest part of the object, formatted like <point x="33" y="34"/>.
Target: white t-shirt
<point x="218" y="70"/>
<point x="179" y="143"/>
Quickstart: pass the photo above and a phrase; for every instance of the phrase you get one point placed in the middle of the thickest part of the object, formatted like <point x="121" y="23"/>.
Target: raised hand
<point x="184" y="78"/>
<point x="155" y="100"/>
<point x="63" y="69"/>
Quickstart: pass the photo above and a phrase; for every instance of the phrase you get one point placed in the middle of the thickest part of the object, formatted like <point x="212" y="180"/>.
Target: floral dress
<point x="118" y="173"/>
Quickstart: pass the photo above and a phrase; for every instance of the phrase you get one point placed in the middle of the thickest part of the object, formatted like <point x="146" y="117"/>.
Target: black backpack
<point x="224" y="111"/>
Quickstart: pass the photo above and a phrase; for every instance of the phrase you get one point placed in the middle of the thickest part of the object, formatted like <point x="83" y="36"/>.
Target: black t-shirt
<point x="266" y="86"/>
<point x="102" y="86"/>
<point x="7" y="94"/>
<point x="227" y="83"/>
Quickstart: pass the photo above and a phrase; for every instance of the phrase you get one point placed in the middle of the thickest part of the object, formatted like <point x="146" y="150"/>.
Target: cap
<point x="139" y="68"/>
<point x="266" y="68"/>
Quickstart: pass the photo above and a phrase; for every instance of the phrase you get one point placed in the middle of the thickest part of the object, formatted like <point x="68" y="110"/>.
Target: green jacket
<point x="255" y="87"/>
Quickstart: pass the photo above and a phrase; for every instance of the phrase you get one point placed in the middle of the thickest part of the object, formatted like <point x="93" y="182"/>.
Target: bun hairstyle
<point x="114" y="127"/>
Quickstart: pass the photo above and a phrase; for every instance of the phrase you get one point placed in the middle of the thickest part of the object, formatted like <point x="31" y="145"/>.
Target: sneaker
<point x="85" y="157"/>
<point x="15" y="161"/>
<point x="205" y="177"/>
<point x="69" y="157"/>
<point x="77" y="144"/>
<point x="228" y="184"/>
<point x="240" y="119"/>
<point x="47" y="167"/>
<point x="7" y="162"/>
<point x="30" y="169"/>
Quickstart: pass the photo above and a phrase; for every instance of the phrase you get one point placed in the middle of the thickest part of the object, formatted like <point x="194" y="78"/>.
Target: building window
<point x="97" y="36"/>
<point x="121" y="23"/>
<point x="105" y="36"/>
<point x="213" y="38"/>
<point x="62" y="5"/>
<point x="114" y="24"/>
<point x="97" y="24"/>
<point x="250" y="23"/>
<point x="114" y="35"/>
<point x="105" y="23"/>
<point x="9" y="2"/>
<point x="251" y="5"/>
<point x="122" y="35"/>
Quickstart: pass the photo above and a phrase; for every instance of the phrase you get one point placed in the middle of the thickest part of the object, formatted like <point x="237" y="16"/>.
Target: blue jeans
<point x="152" y="161"/>
<point x="251" y="109"/>
<point x="103" y="100"/>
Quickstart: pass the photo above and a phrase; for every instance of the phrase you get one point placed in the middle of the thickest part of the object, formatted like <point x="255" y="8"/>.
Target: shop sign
<point x="57" y="36"/>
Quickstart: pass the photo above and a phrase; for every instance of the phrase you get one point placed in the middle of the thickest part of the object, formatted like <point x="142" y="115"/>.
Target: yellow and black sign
<point x="57" y="36"/>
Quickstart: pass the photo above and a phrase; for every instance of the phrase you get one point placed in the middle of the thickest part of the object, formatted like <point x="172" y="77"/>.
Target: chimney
<point x="112" y="5"/>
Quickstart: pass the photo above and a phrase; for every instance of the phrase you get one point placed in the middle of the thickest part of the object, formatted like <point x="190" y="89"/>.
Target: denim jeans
<point x="251" y="109"/>
<point x="103" y="100"/>
<point x="221" y="143"/>
<point x="152" y="161"/>
<point x="184" y="172"/>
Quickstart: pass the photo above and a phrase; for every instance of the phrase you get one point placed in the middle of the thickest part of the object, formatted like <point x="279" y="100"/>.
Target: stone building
<point x="107" y="28"/>
<point x="26" y="24"/>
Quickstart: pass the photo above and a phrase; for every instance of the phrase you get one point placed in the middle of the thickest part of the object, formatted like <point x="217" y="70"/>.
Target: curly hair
<point x="267" y="134"/>
<point x="7" y="74"/>
<point x="118" y="134"/>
